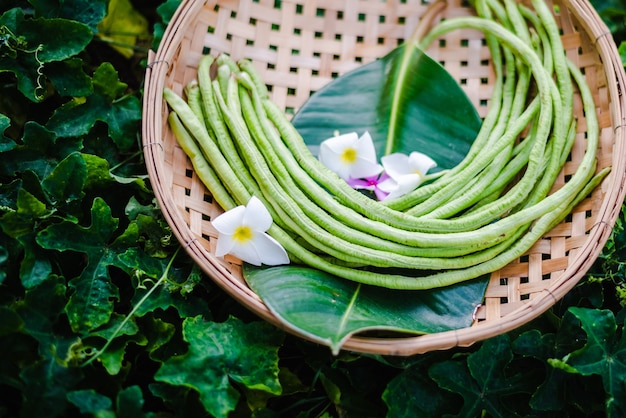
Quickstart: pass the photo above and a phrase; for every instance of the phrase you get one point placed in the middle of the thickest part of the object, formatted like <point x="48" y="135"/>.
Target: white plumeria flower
<point x="350" y="156"/>
<point x="242" y="234"/>
<point x="406" y="172"/>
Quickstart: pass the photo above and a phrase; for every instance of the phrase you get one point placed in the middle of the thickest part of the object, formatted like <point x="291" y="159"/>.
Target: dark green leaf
<point x="120" y="332"/>
<point x="46" y="384"/>
<point x="158" y="333"/>
<point x="4" y="256"/>
<point x="20" y="222"/>
<point x="221" y="353"/>
<point x="106" y="104"/>
<point x="21" y="225"/>
<point x="90" y="402"/>
<point x="110" y="329"/>
<point x="68" y="78"/>
<point x="107" y="83"/>
<point x="155" y="237"/>
<point x="181" y="399"/>
<point x="99" y="175"/>
<point x="155" y="232"/>
<point x="329" y="310"/>
<point x="25" y="67"/>
<point x="349" y="392"/>
<point x="170" y="295"/>
<point x="41" y="310"/>
<point x="65" y="183"/>
<point x="59" y="38"/>
<point x="130" y="402"/>
<point x="166" y="11"/>
<point x="29" y="82"/>
<point x="604" y="354"/>
<point x="40" y="152"/>
<point x="8" y="194"/>
<point x="112" y="358"/>
<point x="8" y="248"/>
<point x="434" y="114"/>
<point x="483" y="381"/>
<point x="413" y="394"/>
<point x="6" y="144"/>
<point x="559" y="389"/>
<point x="98" y="171"/>
<point x="35" y="266"/>
<point x="10" y="321"/>
<point x="89" y="12"/>
<point x="549" y="396"/>
<point x="34" y="42"/>
<point x="91" y="304"/>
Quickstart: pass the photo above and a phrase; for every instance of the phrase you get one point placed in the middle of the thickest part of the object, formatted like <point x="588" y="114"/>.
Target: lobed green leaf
<point x="107" y="104"/>
<point x="6" y="144"/>
<point x="66" y="181"/>
<point x="604" y="354"/>
<point x="222" y="353"/>
<point x="88" y="12"/>
<point x="91" y="303"/>
<point x="33" y="42"/>
<point x="90" y="402"/>
<point x="40" y="151"/>
<point x="482" y="380"/>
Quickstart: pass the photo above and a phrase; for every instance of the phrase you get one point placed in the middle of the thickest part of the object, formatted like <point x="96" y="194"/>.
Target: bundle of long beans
<point x="476" y="218"/>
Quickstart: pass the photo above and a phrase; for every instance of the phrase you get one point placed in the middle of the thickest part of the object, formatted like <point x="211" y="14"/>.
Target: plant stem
<point x="128" y="317"/>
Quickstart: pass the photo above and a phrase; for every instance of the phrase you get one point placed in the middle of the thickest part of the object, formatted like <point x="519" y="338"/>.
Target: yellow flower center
<point x="349" y="155"/>
<point x="243" y="234"/>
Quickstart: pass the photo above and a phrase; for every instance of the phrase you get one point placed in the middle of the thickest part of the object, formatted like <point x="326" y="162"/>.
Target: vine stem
<point x="145" y="297"/>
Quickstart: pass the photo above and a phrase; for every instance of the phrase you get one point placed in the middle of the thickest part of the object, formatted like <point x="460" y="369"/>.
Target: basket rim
<point x="156" y="71"/>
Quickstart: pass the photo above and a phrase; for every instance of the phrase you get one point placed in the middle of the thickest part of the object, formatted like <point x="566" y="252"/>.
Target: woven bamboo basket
<point x="299" y="46"/>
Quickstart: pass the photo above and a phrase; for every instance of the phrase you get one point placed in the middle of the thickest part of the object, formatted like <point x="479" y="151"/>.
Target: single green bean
<point x="201" y="167"/>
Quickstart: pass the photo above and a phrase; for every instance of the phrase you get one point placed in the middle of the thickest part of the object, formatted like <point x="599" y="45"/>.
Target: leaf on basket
<point x="433" y="114"/>
<point x="329" y="310"/>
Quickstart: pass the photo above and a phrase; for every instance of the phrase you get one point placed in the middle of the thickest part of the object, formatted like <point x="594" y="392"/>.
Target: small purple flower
<point x="371" y="183"/>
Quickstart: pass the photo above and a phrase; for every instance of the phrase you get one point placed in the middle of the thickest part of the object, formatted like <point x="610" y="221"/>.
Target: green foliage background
<point x="82" y="242"/>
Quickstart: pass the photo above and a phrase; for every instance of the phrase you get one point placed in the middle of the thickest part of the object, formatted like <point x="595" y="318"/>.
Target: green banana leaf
<point x="421" y="109"/>
<point x="407" y="102"/>
<point x="329" y="310"/>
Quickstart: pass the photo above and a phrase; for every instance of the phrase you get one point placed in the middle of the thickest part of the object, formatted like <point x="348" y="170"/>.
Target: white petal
<point x="421" y="162"/>
<point x="338" y="144"/>
<point x="396" y="165"/>
<point x="388" y="185"/>
<point x="270" y="250"/>
<point x="364" y="168"/>
<point x="256" y="216"/>
<point x="332" y="156"/>
<point x="225" y="244"/>
<point x="227" y="222"/>
<point x="247" y="252"/>
<point x="406" y="184"/>
<point x="334" y="162"/>
<point x="366" y="149"/>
